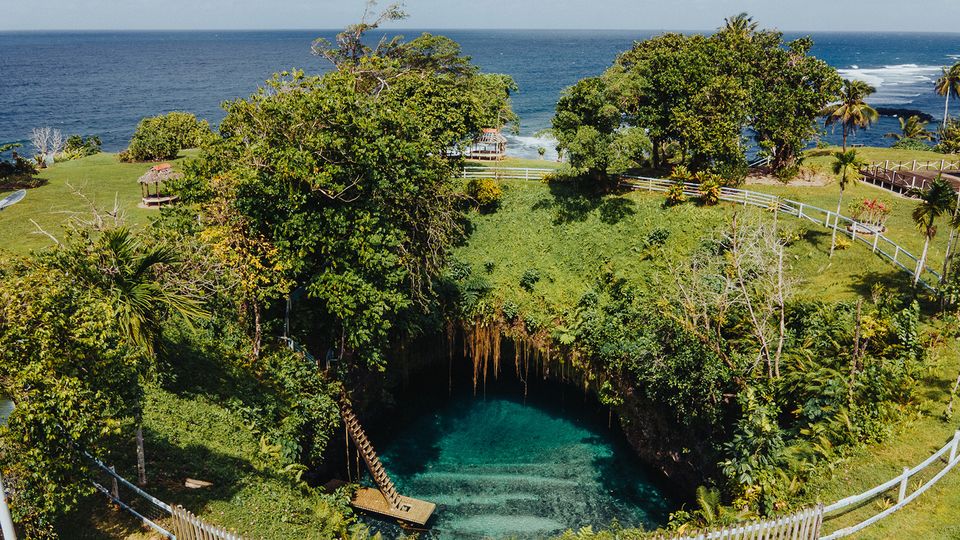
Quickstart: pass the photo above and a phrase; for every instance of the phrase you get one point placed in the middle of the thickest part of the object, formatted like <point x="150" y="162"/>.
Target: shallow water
<point x="6" y="407"/>
<point x="498" y="468"/>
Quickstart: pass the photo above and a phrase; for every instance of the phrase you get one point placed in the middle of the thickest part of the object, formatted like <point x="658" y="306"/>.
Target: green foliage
<point x="15" y="168"/>
<point x="709" y="188"/>
<point x="949" y="138"/>
<point x="756" y="450"/>
<point x="162" y="137"/>
<point x="912" y="131"/>
<point x="78" y="147"/>
<point x="486" y="192"/>
<point x="585" y="127"/>
<point x="529" y="279"/>
<point x="911" y="144"/>
<point x="852" y="112"/>
<point x="73" y="376"/>
<point x="675" y="195"/>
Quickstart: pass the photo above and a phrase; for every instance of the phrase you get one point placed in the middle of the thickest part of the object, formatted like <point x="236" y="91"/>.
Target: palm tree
<point x="912" y="128"/>
<point x="846" y="166"/>
<point x="851" y="112"/>
<point x="948" y="84"/>
<point x="129" y="273"/>
<point x="740" y="25"/>
<point x="934" y="202"/>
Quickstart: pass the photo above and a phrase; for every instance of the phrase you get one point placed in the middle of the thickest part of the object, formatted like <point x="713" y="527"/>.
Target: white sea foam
<point x="895" y="84"/>
<point x="526" y="146"/>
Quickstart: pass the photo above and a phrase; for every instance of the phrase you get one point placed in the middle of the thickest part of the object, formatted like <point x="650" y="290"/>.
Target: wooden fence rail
<point x="187" y="526"/>
<point x="506" y="173"/>
<point x="877" y="242"/>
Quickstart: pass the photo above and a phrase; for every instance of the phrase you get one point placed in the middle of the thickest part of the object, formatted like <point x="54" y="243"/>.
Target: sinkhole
<point x="515" y="460"/>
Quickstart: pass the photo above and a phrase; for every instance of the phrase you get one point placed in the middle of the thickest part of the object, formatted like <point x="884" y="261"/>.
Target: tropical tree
<point x="130" y="274"/>
<point x="911" y="128"/>
<point x="936" y="201"/>
<point x="851" y="112"/>
<point x="948" y="84"/>
<point x="741" y="25"/>
<point x="846" y="166"/>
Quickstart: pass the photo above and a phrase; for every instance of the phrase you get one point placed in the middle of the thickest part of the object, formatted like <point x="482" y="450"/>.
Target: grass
<point x="516" y="162"/>
<point x="933" y="514"/>
<point x="101" y="179"/>
<point x="821" y="158"/>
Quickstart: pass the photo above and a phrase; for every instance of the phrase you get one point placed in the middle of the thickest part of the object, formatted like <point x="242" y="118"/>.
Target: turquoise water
<point x="497" y="468"/>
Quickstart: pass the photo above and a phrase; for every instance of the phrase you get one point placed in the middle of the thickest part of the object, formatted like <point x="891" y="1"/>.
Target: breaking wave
<point x="897" y="84"/>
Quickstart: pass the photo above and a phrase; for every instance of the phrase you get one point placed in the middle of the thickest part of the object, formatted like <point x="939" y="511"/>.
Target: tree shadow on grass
<point x="574" y="200"/>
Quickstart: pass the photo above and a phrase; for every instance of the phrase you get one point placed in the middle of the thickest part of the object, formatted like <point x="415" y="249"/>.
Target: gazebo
<point x="153" y="185"/>
<point x="490" y="145"/>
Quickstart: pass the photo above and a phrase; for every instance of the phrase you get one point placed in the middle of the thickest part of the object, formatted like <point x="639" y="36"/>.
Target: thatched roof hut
<point x="153" y="185"/>
<point x="489" y="145"/>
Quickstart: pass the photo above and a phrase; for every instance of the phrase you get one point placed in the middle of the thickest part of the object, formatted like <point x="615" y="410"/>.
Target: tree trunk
<point x="923" y="259"/>
<point x="844" y="137"/>
<point x="141" y="456"/>
<point x="833" y="241"/>
<point x="946" y="110"/>
<point x="783" y="315"/>
<point x="257" y="330"/>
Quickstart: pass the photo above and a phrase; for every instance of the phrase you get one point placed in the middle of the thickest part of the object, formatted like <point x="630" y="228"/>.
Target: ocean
<point x="102" y="83"/>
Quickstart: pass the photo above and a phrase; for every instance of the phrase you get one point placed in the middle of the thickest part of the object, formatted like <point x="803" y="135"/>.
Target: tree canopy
<point x="345" y="180"/>
<point x="696" y="96"/>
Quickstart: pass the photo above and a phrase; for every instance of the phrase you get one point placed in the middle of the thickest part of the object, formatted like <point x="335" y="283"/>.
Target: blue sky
<point x="812" y="15"/>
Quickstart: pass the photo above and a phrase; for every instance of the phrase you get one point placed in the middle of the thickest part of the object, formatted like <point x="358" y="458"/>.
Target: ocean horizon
<point x="103" y="82"/>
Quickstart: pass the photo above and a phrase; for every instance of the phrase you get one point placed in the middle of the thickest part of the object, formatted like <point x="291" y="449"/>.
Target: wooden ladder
<point x="361" y="441"/>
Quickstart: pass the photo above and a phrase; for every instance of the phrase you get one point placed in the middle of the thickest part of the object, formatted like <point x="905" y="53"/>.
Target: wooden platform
<point x="411" y="510"/>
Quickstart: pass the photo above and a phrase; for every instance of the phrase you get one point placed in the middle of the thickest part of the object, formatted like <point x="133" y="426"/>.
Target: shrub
<point x="949" y="138"/>
<point x="911" y="144"/>
<point x="489" y="266"/>
<point x="78" y="147"/>
<point x="529" y="279"/>
<point x="843" y="242"/>
<point x="162" y="137"/>
<point x="681" y="174"/>
<point x="487" y="192"/>
<point x="16" y="167"/>
<point x="675" y="195"/>
<point x="709" y="188"/>
<point x="657" y="237"/>
<point x="510" y="311"/>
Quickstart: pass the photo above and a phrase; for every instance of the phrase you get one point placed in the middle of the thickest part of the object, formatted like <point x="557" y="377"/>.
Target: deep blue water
<point x="104" y="82"/>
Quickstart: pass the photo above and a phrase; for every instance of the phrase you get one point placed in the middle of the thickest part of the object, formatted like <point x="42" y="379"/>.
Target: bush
<point x="675" y="195"/>
<point x="949" y="138"/>
<point x="843" y="243"/>
<point x="657" y="237"/>
<point x="487" y="192"/>
<point x="16" y="167"/>
<point x="911" y="144"/>
<point x="529" y="279"/>
<point x="709" y="188"/>
<point x="162" y="137"/>
<point x="78" y="147"/>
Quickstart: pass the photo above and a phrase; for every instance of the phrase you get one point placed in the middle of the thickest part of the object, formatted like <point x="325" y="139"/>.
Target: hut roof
<point x="491" y="136"/>
<point x="159" y="173"/>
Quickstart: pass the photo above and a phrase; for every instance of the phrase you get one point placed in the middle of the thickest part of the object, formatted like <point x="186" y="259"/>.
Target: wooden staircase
<point x="363" y="444"/>
<point x="386" y="501"/>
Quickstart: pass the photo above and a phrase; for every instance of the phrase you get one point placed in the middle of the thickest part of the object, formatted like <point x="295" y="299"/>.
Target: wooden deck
<point x="411" y="510"/>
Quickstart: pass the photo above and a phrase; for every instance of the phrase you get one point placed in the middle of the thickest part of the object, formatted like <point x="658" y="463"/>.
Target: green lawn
<point x="70" y="189"/>
<point x="821" y="158"/>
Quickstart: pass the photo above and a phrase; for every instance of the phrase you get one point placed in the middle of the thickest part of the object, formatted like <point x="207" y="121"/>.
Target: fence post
<point x="800" y="211"/>
<point x="914" y="166"/>
<point x="115" y="488"/>
<point x="876" y="239"/>
<point x="903" y="484"/>
<point x="6" y="522"/>
<point x="919" y="270"/>
<point x="896" y="252"/>
<point x="826" y="223"/>
<point x="953" y="447"/>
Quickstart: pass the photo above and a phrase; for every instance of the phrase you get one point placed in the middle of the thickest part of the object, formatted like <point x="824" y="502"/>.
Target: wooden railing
<point x="918" y="165"/>
<point x="877" y="242"/>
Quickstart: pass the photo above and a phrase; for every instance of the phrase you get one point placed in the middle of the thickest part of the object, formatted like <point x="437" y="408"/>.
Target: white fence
<point x="878" y="243"/>
<point x="901" y="484"/>
<point x="506" y="173"/>
<point x="803" y="525"/>
<point x="918" y="165"/>
<point x="151" y="510"/>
